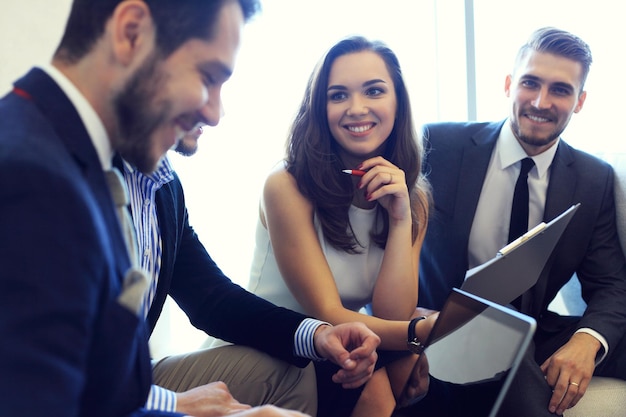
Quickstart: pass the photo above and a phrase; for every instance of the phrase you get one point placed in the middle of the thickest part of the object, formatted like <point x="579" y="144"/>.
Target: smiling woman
<point x="348" y="100"/>
<point x="223" y="181"/>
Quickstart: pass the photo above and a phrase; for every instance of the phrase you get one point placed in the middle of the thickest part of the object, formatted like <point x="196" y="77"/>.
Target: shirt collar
<point x="509" y="151"/>
<point x="91" y="120"/>
<point x="163" y="174"/>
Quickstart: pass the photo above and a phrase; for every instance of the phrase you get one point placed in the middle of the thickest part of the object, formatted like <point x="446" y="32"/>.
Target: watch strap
<point x="414" y="344"/>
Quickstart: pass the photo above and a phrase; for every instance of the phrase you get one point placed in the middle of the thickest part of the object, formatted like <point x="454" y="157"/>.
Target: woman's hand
<point x="386" y="183"/>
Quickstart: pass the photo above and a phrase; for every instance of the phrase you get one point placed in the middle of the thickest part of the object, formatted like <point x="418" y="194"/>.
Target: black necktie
<point x="519" y="209"/>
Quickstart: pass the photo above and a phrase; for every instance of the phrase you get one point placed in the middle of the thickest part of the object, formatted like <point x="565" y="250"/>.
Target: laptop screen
<point x="475" y="341"/>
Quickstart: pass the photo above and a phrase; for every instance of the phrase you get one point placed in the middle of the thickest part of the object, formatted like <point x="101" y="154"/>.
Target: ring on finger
<point x="574" y="383"/>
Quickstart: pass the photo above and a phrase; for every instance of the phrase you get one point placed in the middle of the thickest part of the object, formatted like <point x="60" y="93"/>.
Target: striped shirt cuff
<point x="304" y="344"/>
<point x="161" y="399"/>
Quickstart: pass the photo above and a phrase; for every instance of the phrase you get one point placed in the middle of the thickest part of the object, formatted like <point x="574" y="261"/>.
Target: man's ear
<point x="132" y="31"/>
<point x="507" y="85"/>
<point x="581" y="100"/>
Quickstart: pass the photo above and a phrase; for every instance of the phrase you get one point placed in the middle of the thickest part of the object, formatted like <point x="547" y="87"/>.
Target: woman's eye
<point x="337" y="96"/>
<point x="375" y="91"/>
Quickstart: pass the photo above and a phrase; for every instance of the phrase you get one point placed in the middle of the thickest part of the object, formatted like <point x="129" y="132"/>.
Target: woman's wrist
<point x="414" y="343"/>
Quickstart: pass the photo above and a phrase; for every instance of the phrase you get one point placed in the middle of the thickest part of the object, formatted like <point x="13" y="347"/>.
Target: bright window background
<point x="502" y="26"/>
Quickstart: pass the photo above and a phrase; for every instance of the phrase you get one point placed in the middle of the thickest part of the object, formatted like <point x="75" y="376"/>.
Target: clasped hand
<point x="352" y="346"/>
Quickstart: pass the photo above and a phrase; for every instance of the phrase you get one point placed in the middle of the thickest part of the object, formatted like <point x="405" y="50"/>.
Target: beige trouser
<point x="252" y="377"/>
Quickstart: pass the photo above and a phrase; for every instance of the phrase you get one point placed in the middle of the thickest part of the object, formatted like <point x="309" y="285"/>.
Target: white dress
<point x="354" y="274"/>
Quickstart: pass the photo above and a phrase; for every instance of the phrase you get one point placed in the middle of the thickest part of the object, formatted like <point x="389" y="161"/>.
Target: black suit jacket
<point x="211" y="300"/>
<point x="457" y="158"/>
<point x="68" y="348"/>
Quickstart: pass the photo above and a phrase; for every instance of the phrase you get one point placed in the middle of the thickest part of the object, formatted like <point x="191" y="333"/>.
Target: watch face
<point x="416" y="346"/>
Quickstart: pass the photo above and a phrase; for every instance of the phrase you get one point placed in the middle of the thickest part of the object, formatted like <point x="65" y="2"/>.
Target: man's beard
<point x="533" y="140"/>
<point x="137" y="118"/>
<point x="186" y="148"/>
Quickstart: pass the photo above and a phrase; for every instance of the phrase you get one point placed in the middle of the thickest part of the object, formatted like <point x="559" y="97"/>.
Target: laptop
<point x="479" y="343"/>
<point x="517" y="267"/>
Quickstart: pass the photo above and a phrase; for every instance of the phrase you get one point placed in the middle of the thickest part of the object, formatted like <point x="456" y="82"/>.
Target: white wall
<point x="30" y="31"/>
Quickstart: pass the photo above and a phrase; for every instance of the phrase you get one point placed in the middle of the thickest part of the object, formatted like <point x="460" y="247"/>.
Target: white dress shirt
<point x="490" y="229"/>
<point x="91" y="120"/>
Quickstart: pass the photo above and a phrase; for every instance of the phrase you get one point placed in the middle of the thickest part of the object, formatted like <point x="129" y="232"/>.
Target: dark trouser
<point x="451" y="400"/>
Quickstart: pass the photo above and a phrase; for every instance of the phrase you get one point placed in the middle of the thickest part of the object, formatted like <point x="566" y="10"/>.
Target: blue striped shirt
<point x="142" y="190"/>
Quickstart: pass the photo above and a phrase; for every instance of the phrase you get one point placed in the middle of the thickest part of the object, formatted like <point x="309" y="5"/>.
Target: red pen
<point x="356" y="172"/>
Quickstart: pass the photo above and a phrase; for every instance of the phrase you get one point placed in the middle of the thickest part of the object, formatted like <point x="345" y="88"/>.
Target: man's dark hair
<point x="560" y="43"/>
<point x="176" y="22"/>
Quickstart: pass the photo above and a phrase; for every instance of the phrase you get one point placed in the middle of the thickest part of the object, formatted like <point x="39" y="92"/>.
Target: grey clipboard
<point x="517" y="266"/>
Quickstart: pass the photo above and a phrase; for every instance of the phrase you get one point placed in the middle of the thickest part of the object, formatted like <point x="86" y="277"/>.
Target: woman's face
<point x="361" y="103"/>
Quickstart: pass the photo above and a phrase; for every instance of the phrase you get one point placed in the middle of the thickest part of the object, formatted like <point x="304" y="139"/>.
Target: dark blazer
<point x="456" y="163"/>
<point x="68" y="348"/>
<point x="211" y="300"/>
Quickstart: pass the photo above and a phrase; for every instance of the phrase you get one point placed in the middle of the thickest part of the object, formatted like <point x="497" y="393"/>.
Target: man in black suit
<point x="473" y="168"/>
<point x="180" y="266"/>
<point x="128" y="77"/>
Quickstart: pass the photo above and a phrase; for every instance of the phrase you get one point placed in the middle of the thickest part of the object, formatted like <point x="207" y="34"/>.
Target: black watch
<point x="413" y="342"/>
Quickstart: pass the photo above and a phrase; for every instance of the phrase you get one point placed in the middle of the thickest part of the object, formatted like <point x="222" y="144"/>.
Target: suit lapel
<point x="560" y="194"/>
<point x="167" y="224"/>
<point x="474" y="164"/>
<point x="55" y="105"/>
<point x="66" y="122"/>
<point x="167" y="220"/>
